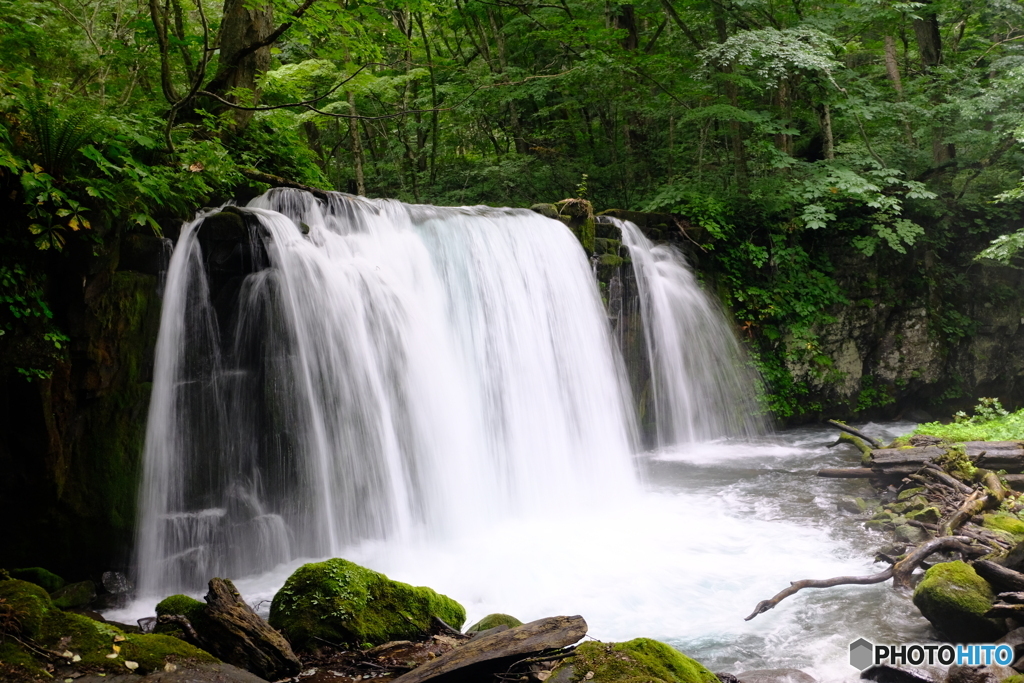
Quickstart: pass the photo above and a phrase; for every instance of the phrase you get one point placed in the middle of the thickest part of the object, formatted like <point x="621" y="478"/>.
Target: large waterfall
<point x="383" y="371"/>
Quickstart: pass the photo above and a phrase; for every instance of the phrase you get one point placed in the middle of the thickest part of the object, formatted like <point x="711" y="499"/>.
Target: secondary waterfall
<point x="379" y="370"/>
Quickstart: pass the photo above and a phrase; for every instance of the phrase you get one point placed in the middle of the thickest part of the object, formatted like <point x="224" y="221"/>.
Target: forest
<point x="795" y="134"/>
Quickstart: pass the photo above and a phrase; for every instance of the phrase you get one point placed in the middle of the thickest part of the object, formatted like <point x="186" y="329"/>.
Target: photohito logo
<point x="863" y="654"/>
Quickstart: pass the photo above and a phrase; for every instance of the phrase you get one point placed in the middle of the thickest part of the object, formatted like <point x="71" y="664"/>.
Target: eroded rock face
<point x="955" y="599"/>
<point x="338" y="602"/>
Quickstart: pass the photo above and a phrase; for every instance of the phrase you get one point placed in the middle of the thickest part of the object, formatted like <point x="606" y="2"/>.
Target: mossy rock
<point x="190" y="608"/>
<point x="1003" y="521"/>
<point x="92" y="641"/>
<point x="40" y="577"/>
<point x="929" y="515"/>
<point x="74" y="595"/>
<point x="909" y="493"/>
<point x="640" y="660"/>
<point x="338" y="601"/>
<point x="494" y="620"/>
<point x="955" y="599"/>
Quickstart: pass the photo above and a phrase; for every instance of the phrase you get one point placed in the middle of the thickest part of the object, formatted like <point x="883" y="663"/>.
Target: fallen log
<point x="875" y="443"/>
<point x="1003" y="579"/>
<point x="899" y="572"/>
<point x="543" y="635"/>
<point x="935" y="472"/>
<point x="234" y="633"/>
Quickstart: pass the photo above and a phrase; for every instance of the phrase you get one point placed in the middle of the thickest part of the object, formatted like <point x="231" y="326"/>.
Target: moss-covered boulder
<point x="1003" y="521"/>
<point x="641" y="660"/>
<point x="955" y="599"/>
<point x="493" y="621"/>
<point x="27" y="611"/>
<point x="74" y="595"/>
<point x="40" y="577"/>
<point x="190" y="608"/>
<point x="338" y="601"/>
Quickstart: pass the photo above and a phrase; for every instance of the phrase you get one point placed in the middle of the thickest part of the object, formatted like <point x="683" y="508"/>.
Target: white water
<point x="433" y="393"/>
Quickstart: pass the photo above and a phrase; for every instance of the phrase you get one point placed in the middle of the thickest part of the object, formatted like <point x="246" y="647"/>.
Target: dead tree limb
<point x="278" y="181"/>
<point x="875" y="443"/>
<point x="899" y="572"/>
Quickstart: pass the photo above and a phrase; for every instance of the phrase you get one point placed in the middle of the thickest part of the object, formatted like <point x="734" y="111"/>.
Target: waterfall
<point x="371" y="370"/>
<point x="700" y="385"/>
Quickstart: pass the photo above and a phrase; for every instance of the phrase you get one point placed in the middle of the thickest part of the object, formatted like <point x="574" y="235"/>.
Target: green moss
<point x="28" y="604"/>
<point x="956" y="462"/>
<point x="955" y="599"/>
<point x="17" y="664"/>
<point x="40" y="577"/>
<point x="1019" y="678"/>
<point x="1003" y="521"/>
<point x="74" y="595"/>
<point x="492" y="620"/>
<point x="340" y="602"/>
<point x="190" y="608"/>
<point x="152" y="651"/>
<point x="929" y="515"/>
<point x="641" y="660"/>
<point x="909" y="493"/>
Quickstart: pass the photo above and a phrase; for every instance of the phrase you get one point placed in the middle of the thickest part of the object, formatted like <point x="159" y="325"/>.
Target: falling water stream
<point x="437" y="394"/>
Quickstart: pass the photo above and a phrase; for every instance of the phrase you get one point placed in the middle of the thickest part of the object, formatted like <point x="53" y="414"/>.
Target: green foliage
<point x="990" y="422"/>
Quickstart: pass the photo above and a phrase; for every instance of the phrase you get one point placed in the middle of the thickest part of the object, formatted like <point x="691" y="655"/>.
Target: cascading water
<point x="700" y="386"/>
<point x="395" y="370"/>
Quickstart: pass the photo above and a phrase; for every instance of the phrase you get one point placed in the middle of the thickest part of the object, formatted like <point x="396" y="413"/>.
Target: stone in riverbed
<point x="910" y="534"/>
<point x="955" y="599"/>
<point x="339" y="602"/>
<point x="492" y="620"/>
<point x="641" y="659"/>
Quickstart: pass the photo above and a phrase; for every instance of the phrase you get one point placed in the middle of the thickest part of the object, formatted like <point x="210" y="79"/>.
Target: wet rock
<point x="910" y="534"/>
<point x="886" y="673"/>
<point x="955" y="599"/>
<point x="978" y="674"/>
<point x="853" y="505"/>
<point x="928" y="515"/>
<point x="641" y="659"/>
<point x="116" y="583"/>
<point x="338" y="601"/>
<point x="1014" y="639"/>
<point x="775" y="676"/>
<point x="40" y="577"/>
<point x="492" y="620"/>
<point x="74" y="595"/>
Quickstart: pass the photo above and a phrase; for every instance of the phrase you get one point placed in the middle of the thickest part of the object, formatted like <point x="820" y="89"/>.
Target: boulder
<point x="74" y="595"/>
<point x="40" y="577"/>
<point x="492" y="620"/>
<point x="84" y="644"/>
<point x="641" y="659"/>
<point x="955" y="599"/>
<point x="337" y="601"/>
<point x="886" y="673"/>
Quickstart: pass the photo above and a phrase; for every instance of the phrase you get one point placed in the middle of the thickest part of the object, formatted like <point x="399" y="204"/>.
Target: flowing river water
<point x="717" y="528"/>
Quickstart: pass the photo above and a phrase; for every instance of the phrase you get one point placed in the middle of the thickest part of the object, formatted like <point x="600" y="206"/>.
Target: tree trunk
<point x="240" y="64"/>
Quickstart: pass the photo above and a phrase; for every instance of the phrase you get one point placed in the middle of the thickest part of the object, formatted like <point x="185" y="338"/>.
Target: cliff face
<point x="70" y="445"/>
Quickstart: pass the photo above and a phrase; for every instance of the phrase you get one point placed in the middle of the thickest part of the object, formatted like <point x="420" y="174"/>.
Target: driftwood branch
<point x="278" y="181"/>
<point x="859" y="434"/>
<point x="899" y="572"/>
<point x="185" y="625"/>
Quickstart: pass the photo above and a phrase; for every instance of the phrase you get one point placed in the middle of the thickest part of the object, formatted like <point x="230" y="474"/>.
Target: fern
<point x="57" y="136"/>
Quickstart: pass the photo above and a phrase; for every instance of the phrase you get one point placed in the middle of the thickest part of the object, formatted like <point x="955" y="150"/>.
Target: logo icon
<point x="861" y="654"/>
